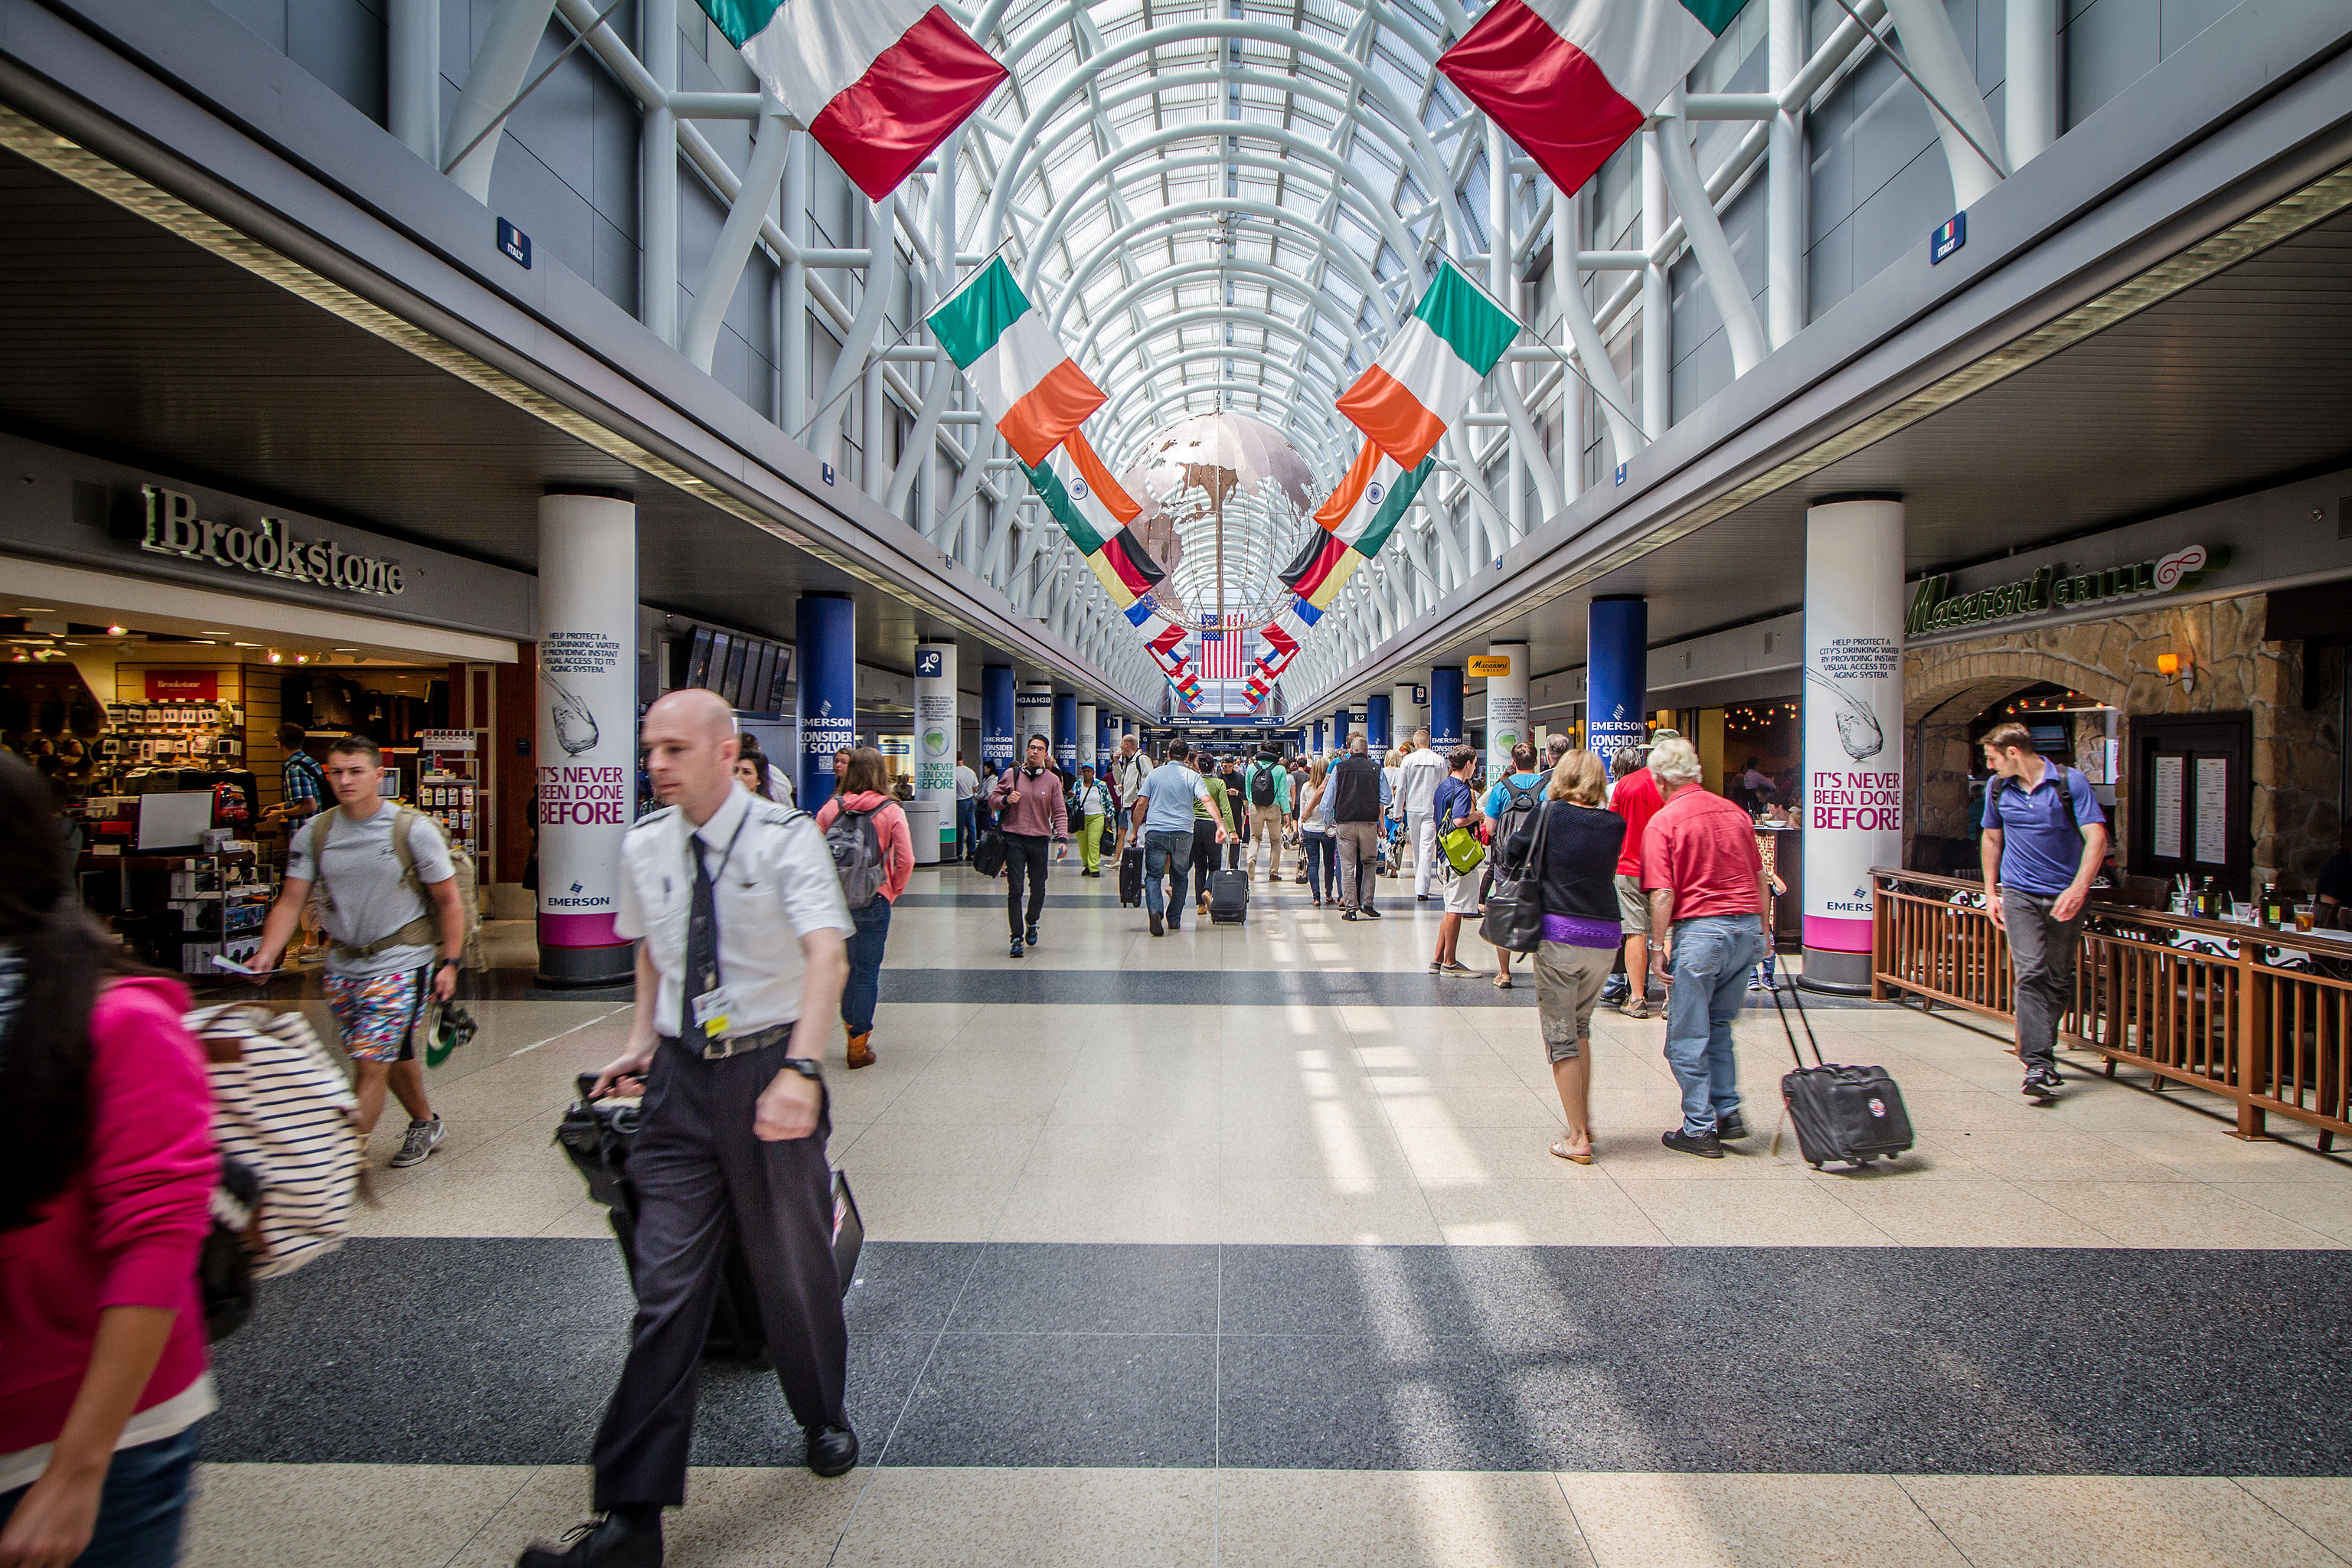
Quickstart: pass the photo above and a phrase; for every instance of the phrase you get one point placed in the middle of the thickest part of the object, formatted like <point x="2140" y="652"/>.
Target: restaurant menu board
<point x="2212" y="810"/>
<point x="2168" y="806"/>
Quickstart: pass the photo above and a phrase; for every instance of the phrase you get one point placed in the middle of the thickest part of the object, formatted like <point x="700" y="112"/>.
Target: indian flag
<point x="1428" y="370"/>
<point x="1016" y="366"/>
<point x="1570" y="79"/>
<point x="879" y="83"/>
<point x="1371" y="498"/>
<point x="1102" y="505"/>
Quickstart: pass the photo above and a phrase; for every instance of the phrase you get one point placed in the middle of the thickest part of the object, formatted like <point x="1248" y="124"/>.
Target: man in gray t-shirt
<point x="380" y="930"/>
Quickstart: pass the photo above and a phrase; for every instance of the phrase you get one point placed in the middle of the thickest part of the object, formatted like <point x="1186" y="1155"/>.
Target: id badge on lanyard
<point x="713" y="1008"/>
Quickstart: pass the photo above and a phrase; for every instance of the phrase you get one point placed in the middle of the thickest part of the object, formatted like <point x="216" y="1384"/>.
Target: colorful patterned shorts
<point x="375" y="1011"/>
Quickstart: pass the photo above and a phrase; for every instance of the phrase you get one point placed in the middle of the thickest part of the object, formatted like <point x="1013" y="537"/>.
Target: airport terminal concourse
<point x="1060" y="782"/>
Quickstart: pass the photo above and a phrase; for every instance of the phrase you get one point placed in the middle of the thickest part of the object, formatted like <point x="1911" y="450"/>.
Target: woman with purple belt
<point x="1579" y="877"/>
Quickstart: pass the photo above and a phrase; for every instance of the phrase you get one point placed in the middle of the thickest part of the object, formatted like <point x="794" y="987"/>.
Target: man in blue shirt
<point x="2045" y="839"/>
<point x="1164" y="814"/>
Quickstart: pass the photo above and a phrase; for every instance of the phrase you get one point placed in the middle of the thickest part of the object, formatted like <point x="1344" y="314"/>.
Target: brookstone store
<point x="2193" y="666"/>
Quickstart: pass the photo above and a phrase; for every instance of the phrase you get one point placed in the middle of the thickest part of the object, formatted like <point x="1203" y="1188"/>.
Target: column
<point x="1376" y="723"/>
<point x="1105" y="742"/>
<point x="1406" y="713"/>
<point x="825" y="713"/>
<point x="1445" y="707"/>
<point x="586" y="743"/>
<point x="996" y="745"/>
<point x="1617" y="676"/>
<point x="1853" y="728"/>
<point x="1087" y="740"/>
<point x="1340" y="732"/>
<point x="1318" y="739"/>
<point x="935" y="731"/>
<point x="1066" y="732"/>
<point x="1034" y="715"/>
<point x="1507" y="704"/>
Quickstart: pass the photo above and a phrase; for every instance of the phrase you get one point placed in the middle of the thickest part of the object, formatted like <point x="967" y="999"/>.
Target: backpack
<point x="1522" y="804"/>
<point x="2002" y="782"/>
<point x="1260" y="784"/>
<point x="282" y="1119"/>
<point x="425" y="930"/>
<point x="857" y="848"/>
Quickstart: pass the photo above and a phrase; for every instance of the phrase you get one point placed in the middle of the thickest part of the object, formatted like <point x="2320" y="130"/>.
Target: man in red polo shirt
<point x="1635" y="798"/>
<point x="1706" y="882"/>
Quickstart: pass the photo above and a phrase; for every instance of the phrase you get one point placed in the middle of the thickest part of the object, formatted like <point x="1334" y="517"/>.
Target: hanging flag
<point x="1336" y="579"/>
<point x="1570" y="79"/>
<point x="1371" y="498"/>
<point x="1318" y="561"/>
<point x="1429" y="369"/>
<point x="1274" y="655"/>
<point x="1016" y="366"/>
<point x="1164" y="639"/>
<point x="1119" y="559"/>
<point x="879" y="83"/>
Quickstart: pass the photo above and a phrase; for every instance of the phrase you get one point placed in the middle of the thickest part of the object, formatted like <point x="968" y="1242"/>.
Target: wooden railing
<point x="2260" y="1016"/>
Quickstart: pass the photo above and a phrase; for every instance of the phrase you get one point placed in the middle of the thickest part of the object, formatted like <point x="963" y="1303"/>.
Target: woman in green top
<point x="1211" y="815"/>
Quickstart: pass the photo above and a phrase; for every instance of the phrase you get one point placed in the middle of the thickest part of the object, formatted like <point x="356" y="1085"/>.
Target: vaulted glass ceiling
<point x="1222" y="203"/>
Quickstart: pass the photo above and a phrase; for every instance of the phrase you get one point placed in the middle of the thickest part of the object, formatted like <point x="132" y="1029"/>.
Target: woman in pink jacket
<point x="865" y="788"/>
<point x="105" y="1179"/>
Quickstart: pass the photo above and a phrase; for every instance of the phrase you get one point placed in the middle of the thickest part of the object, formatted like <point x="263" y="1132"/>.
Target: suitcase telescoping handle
<point x="588" y="1085"/>
<point x="1775" y="989"/>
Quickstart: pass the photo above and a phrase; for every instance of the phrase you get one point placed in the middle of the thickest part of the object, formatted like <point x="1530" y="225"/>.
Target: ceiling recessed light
<point x="36" y="610"/>
<point x="347" y="650"/>
<point x="213" y="633"/>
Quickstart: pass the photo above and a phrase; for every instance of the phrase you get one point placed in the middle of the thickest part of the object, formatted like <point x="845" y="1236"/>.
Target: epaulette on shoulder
<point x="776" y="814"/>
<point x="663" y="815"/>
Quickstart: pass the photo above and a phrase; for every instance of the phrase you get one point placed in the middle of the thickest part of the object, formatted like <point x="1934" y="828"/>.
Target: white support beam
<point x="724" y="270"/>
<point x="492" y="80"/>
<point x="1704" y="228"/>
<point x="1957" y="105"/>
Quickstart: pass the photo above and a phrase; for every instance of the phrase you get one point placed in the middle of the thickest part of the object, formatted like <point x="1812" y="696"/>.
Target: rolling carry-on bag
<point x="1130" y="876"/>
<point x="1853" y="1114"/>
<point x="1228" y="897"/>
<point x="598" y="1135"/>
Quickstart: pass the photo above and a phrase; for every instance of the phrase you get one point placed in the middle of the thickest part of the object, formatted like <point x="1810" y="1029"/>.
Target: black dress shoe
<point x="606" y="1543"/>
<point x="1158" y="925"/>
<point x="832" y="1450"/>
<point x="1705" y="1145"/>
<point x="1729" y="1126"/>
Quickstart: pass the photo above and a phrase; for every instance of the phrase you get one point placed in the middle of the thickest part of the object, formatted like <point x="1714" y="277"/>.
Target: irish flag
<point x="1570" y="79"/>
<point x="1428" y="370"/>
<point x="1015" y="365"/>
<point x="879" y="83"/>
<point x="1371" y="498"/>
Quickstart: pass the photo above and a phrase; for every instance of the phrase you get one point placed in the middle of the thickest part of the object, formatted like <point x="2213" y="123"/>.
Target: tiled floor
<point x="1116" y="1117"/>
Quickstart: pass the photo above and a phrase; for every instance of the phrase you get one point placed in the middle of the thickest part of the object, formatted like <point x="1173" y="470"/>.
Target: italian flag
<point x="1017" y="367"/>
<point x="879" y="83"/>
<point x="1371" y="498"/>
<point x="1428" y="370"/>
<point x="1570" y="79"/>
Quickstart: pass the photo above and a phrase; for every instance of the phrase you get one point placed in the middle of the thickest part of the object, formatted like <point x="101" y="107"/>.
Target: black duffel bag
<point x="988" y="855"/>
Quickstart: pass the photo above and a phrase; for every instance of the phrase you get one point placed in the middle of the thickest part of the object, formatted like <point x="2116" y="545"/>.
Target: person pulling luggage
<point x="739" y="968"/>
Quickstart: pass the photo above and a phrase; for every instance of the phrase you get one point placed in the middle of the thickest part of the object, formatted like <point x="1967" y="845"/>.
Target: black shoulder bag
<point x="1514" y="919"/>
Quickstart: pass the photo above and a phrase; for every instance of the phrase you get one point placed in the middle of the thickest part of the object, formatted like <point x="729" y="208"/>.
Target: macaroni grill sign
<point x="2054" y="588"/>
<point x="268" y="550"/>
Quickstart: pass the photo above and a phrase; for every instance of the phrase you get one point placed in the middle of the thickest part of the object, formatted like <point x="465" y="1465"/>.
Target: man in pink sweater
<point x="1031" y="808"/>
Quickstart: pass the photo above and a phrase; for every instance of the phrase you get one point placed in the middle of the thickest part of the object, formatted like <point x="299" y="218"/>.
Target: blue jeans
<point x="967" y="826"/>
<point x="140" y="1509"/>
<point x="1322" y="864"/>
<point x="1711" y="958"/>
<point x="865" y="982"/>
<point x="1167" y="852"/>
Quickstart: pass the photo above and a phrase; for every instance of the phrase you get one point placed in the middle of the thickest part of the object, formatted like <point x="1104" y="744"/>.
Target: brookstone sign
<point x="269" y="549"/>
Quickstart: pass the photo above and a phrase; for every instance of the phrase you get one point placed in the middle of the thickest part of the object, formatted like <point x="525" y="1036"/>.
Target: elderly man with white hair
<point x="1705" y="877"/>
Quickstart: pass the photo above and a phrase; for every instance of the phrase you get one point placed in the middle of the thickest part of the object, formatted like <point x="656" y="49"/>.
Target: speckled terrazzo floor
<point x="1241" y="1246"/>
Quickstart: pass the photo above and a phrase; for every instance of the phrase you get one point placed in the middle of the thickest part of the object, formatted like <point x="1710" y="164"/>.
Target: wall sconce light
<point x="276" y="656"/>
<point x="2172" y="666"/>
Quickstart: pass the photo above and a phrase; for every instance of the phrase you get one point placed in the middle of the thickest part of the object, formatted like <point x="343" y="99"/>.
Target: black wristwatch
<point x="805" y="1067"/>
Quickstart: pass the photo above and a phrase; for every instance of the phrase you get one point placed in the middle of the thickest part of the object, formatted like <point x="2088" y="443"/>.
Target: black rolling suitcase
<point x="1130" y="876"/>
<point x="1854" y="1114"/>
<point x="1228" y="897"/>
<point x="597" y="1134"/>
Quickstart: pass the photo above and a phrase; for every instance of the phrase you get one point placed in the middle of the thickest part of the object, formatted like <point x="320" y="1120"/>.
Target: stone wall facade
<point x="2113" y="660"/>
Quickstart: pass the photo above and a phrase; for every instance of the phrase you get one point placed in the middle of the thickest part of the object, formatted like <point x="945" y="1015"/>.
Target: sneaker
<point x="1031" y="936"/>
<point x="1615" y="990"/>
<point x="1347" y="914"/>
<point x="1636" y="1009"/>
<point x="1175" y="919"/>
<point x="1421" y="898"/>
<point x="1455" y="968"/>
<point x="1729" y="1126"/>
<point x="424" y="1137"/>
<point x="1371" y="911"/>
<point x="1705" y="1145"/>
<point x="2041" y="1084"/>
<point x="1016" y="947"/>
<point x="1158" y="926"/>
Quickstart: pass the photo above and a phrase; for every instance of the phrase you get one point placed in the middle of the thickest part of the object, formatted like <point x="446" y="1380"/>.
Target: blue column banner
<point x="826" y="711"/>
<point x="1376" y="723"/>
<point x="1617" y="669"/>
<point x="1066" y="732"/>
<point x="1445" y="707"/>
<point x="995" y="718"/>
<point x="1033" y="715"/>
<point x="1106" y="742"/>
<point x="1339" y="731"/>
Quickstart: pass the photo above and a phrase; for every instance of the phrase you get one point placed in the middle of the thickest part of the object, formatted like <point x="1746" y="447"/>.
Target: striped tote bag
<point x="282" y="1108"/>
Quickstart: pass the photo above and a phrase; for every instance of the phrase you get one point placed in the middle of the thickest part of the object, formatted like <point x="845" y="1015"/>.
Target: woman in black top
<point x="1579" y="877"/>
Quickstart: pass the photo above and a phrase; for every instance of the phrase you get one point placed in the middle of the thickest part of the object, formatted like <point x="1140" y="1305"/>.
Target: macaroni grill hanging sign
<point x="1933" y="609"/>
<point x="268" y="550"/>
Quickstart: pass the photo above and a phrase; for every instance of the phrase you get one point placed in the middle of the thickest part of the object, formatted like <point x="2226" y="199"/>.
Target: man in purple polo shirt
<point x="2044" y="839"/>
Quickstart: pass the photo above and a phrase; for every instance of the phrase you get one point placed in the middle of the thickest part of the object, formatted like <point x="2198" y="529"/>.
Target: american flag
<point x="1226" y="646"/>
